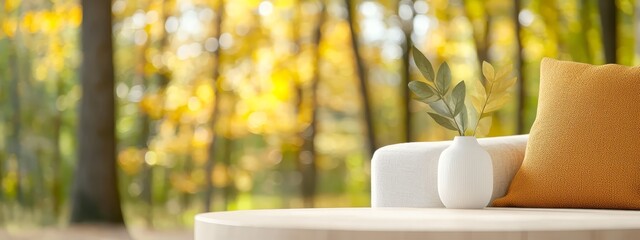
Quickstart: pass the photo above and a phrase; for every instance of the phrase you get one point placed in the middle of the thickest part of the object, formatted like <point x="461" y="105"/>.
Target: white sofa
<point x="405" y="174"/>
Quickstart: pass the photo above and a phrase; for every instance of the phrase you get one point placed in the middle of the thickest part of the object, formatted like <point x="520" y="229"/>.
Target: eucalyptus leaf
<point x="423" y="65"/>
<point x="421" y="89"/>
<point x="443" y="121"/>
<point x="462" y="119"/>
<point x="444" y="78"/>
<point x="457" y="97"/>
<point x="430" y="100"/>
<point x="440" y="107"/>
<point x="453" y="109"/>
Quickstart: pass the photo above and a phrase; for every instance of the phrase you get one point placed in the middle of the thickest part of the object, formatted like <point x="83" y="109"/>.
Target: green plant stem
<point x="486" y="102"/>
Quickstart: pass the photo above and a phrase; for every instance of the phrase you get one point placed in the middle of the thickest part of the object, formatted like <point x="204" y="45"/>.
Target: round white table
<point x="418" y="223"/>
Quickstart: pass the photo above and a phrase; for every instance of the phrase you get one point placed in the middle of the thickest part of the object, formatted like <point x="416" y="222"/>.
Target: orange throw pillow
<point x="584" y="146"/>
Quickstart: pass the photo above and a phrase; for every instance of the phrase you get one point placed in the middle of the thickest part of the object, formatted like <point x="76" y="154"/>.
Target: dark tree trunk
<point x="95" y="194"/>
<point x="406" y="96"/>
<point x="585" y="9"/>
<point x="29" y="163"/>
<point x="216" y="111"/>
<point x="56" y="163"/>
<point x="407" y="28"/>
<point x="3" y="156"/>
<point x="162" y="78"/>
<point x="481" y="33"/>
<point x="147" y="169"/>
<point x="15" y="146"/>
<point x="228" y="191"/>
<point x="144" y="134"/>
<point x="608" y="15"/>
<point x="308" y="155"/>
<point x="362" y="78"/>
<point x="185" y="196"/>
<point x="15" y="137"/>
<point x="522" y="83"/>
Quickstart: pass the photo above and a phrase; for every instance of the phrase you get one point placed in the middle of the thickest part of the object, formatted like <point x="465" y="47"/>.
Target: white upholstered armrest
<point x="405" y="175"/>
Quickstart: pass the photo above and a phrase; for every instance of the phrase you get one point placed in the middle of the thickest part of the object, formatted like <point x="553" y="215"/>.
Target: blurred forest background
<point x="226" y="104"/>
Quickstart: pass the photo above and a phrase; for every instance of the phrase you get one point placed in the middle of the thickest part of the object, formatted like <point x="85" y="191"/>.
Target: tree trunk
<point x="185" y="196"/>
<point x="407" y="28"/>
<point x="308" y="155"/>
<point x="15" y="137"/>
<point x="147" y="170"/>
<point x="56" y="163"/>
<point x="216" y="111"/>
<point x="521" y="87"/>
<point x="228" y="191"/>
<point x="481" y="34"/>
<point x="608" y="17"/>
<point x="162" y="78"/>
<point x="144" y="120"/>
<point x="362" y="78"/>
<point x="585" y="10"/>
<point x="95" y="194"/>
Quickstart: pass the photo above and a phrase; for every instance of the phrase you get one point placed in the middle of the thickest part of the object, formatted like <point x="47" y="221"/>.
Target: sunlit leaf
<point x="9" y="26"/>
<point x="10" y="5"/>
<point x="484" y="126"/>
<point x="488" y="71"/>
<point x="504" y="71"/>
<point x="75" y="16"/>
<point x="504" y="85"/>
<point x="478" y="100"/>
<point x="424" y="65"/>
<point x="472" y="117"/>
<point x="497" y="102"/>
<point x="130" y="160"/>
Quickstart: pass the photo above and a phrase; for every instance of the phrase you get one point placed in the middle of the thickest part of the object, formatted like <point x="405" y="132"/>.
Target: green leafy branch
<point x="449" y="108"/>
<point x="435" y="92"/>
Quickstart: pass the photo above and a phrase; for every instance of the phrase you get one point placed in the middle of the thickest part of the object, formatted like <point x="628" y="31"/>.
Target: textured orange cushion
<point x="584" y="146"/>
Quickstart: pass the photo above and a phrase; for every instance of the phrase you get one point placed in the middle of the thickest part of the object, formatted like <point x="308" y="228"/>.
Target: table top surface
<point x="428" y="219"/>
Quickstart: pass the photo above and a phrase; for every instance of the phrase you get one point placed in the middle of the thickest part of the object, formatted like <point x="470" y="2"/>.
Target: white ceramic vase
<point x="465" y="174"/>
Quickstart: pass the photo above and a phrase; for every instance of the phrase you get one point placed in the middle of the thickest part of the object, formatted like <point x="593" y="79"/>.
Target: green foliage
<point x="422" y="90"/>
<point x="423" y="64"/>
<point x="444" y="78"/>
<point x="457" y="97"/>
<point x="449" y="106"/>
<point x="444" y="121"/>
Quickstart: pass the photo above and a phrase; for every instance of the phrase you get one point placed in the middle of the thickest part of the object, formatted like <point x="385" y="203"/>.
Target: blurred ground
<point x="94" y="232"/>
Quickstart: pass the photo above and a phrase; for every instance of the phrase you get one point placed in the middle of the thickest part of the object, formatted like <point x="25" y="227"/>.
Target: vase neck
<point x="465" y="140"/>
